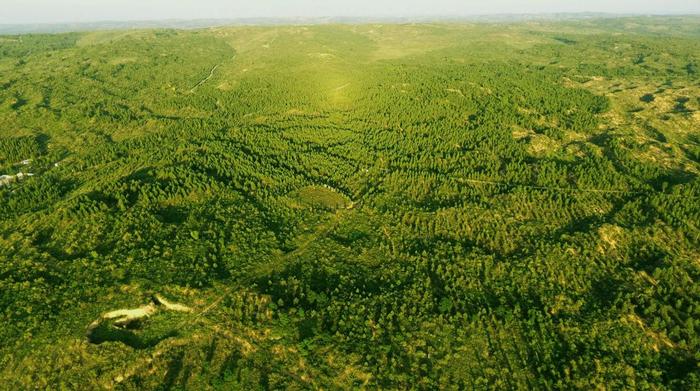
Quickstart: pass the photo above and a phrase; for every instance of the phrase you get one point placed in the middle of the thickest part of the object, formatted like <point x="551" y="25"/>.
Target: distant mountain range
<point x="204" y="23"/>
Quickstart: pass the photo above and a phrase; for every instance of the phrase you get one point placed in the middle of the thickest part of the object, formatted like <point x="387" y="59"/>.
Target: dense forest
<point x="430" y="206"/>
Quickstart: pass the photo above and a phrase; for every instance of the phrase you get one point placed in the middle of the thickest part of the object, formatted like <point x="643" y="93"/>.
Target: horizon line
<point x="355" y="17"/>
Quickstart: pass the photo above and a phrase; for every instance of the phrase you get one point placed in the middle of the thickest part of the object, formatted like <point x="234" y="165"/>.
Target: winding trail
<point x="206" y="79"/>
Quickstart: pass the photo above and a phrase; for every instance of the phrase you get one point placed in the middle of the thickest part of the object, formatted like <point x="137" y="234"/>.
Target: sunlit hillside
<point x="397" y="206"/>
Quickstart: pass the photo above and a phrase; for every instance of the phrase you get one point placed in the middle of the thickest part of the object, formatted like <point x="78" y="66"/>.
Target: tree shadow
<point x="19" y="103"/>
<point x="108" y="333"/>
<point x="174" y="368"/>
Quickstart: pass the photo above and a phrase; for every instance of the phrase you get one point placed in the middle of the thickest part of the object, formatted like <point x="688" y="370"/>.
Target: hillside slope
<point x="344" y="206"/>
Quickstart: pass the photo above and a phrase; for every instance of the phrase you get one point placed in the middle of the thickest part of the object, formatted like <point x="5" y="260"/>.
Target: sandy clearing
<point x="124" y="317"/>
<point x="7" y="179"/>
<point x="172" y="306"/>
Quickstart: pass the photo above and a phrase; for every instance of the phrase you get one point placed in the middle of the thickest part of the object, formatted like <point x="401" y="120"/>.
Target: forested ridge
<point x="437" y="206"/>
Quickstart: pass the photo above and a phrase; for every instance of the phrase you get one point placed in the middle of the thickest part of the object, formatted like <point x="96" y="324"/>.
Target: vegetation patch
<point x="380" y="206"/>
<point x="321" y="197"/>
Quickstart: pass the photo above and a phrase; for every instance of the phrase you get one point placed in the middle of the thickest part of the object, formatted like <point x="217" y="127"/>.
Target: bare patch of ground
<point x="125" y="318"/>
<point x="541" y="145"/>
<point x="123" y="60"/>
<point x="8" y="179"/>
<point x="659" y="339"/>
<point x="520" y="133"/>
<point x="610" y="236"/>
<point x="322" y="55"/>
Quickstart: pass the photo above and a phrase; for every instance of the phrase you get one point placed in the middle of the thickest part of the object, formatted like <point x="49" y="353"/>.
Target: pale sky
<point x="59" y="11"/>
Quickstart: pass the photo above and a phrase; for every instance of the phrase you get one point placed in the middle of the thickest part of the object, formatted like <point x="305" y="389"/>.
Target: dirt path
<point x="206" y="79"/>
<point x="342" y="87"/>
